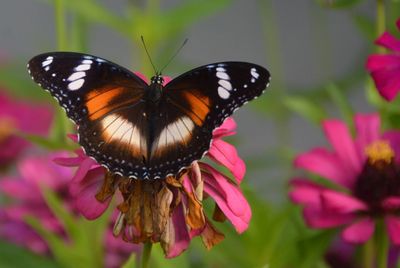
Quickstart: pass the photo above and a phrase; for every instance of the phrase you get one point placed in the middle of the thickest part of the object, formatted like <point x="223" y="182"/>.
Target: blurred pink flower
<point x="168" y="211"/>
<point x="385" y="68"/>
<point x="366" y="172"/>
<point x="26" y="199"/>
<point x="20" y="117"/>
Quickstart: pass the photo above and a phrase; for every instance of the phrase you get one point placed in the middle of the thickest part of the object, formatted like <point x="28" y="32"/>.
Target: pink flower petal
<point x="142" y="76"/>
<point x="391" y="203"/>
<point x="305" y="192"/>
<point x="225" y="154"/>
<point x="341" y="203"/>
<point x="389" y="41"/>
<point x="377" y="62"/>
<point x="228" y="197"/>
<point x="393" y="228"/>
<point x="83" y="169"/>
<point x="325" y="164"/>
<point x="394" y="138"/>
<point x="359" y="232"/>
<point x="368" y="130"/>
<point x="387" y="82"/>
<point x="85" y="191"/>
<point x="228" y="128"/>
<point x="181" y="234"/>
<point x="340" y="138"/>
<point x="317" y="218"/>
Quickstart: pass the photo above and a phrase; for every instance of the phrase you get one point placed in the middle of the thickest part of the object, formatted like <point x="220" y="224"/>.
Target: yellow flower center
<point x="379" y="151"/>
<point x="7" y="128"/>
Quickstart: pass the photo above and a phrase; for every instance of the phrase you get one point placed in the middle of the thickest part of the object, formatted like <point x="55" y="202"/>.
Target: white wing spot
<point x="82" y="67"/>
<point x="75" y="85"/>
<point x="47" y="68"/>
<point x="225" y="84"/>
<point x="223" y="93"/>
<point x="47" y="62"/>
<point x="87" y="62"/>
<point x="254" y="73"/>
<point x="76" y="76"/>
<point x="223" y="75"/>
<point x="245" y="85"/>
<point x="53" y="74"/>
<point x="221" y="69"/>
<point x="253" y="80"/>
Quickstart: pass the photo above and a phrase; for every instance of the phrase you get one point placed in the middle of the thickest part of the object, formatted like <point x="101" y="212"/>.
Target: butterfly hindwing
<point x="196" y="103"/>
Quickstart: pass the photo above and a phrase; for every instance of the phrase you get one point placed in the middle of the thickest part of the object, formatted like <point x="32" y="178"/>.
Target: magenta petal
<point x="394" y="138"/>
<point x="391" y="203"/>
<point x="68" y="161"/>
<point x="368" y="130"/>
<point x="83" y="169"/>
<point x="228" y="128"/>
<point x="228" y="197"/>
<point x="85" y="191"/>
<point x="377" y="62"/>
<point x="389" y="41"/>
<point x="340" y="138"/>
<point x="341" y="203"/>
<point x="142" y="76"/>
<point x="325" y="164"/>
<point x="317" y="218"/>
<point x="393" y="228"/>
<point x="359" y="232"/>
<point x="305" y="192"/>
<point x="225" y="154"/>
<point x="181" y="233"/>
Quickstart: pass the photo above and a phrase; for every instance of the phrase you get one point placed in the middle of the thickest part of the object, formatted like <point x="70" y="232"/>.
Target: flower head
<point x="169" y="210"/>
<point x="26" y="199"/>
<point x="385" y="68"/>
<point x="366" y="171"/>
<point x="15" y="117"/>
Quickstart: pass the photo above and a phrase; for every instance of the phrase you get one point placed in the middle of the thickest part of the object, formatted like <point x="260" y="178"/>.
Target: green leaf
<point x="47" y="143"/>
<point x="366" y="26"/>
<point x="18" y="257"/>
<point x="306" y="108"/>
<point x="338" y="3"/>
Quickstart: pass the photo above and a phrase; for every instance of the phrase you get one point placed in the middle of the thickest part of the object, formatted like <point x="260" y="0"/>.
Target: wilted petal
<point x="359" y="232"/>
<point x="393" y="227"/>
<point x="176" y="237"/>
<point x="211" y="236"/>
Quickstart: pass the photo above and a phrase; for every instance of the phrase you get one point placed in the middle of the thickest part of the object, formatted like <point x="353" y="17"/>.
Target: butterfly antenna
<point x="176" y="53"/>
<point x="148" y="55"/>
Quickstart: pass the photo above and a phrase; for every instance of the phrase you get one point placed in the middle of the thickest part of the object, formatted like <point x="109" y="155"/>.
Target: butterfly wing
<point x="105" y="101"/>
<point x="196" y="103"/>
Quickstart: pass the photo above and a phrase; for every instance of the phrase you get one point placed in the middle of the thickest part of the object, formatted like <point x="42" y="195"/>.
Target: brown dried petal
<point x="108" y="187"/>
<point x="195" y="215"/>
<point x="211" y="236"/>
<point x="161" y="213"/>
<point x="218" y="215"/>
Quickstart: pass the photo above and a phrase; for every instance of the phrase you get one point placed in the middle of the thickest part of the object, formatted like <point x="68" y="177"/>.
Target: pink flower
<point x="366" y="173"/>
<point x="170" y="210"/>
<point x="26" y="199"/>
<point x="385" y="68"/>
<point x="20" y="117"/>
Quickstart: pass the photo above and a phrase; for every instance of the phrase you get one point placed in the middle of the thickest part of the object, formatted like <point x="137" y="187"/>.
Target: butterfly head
<point x="157" y="79"/>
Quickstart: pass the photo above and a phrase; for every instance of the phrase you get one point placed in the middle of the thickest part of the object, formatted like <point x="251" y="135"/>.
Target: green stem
<point x="146" y="254"/>
<point x="61" y="27"/>
<point x="368" y="254"/>
<point x="380" y="21"/>
<point x="381" y="245"/>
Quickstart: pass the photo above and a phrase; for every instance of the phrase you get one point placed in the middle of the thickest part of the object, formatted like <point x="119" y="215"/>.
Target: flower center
<point x="380" y="176"/>
<point x="379" y="151"/>
<point x="7" y="128"/>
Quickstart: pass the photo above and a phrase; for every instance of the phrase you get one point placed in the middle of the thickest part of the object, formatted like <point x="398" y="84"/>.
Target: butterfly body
<point x="139" y="130"/>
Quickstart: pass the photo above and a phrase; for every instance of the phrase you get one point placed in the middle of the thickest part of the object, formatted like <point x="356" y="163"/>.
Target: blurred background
<point x="315" y="51"/>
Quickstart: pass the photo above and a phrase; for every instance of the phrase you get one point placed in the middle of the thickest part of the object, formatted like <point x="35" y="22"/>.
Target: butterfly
<point x="140" y="130"/>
